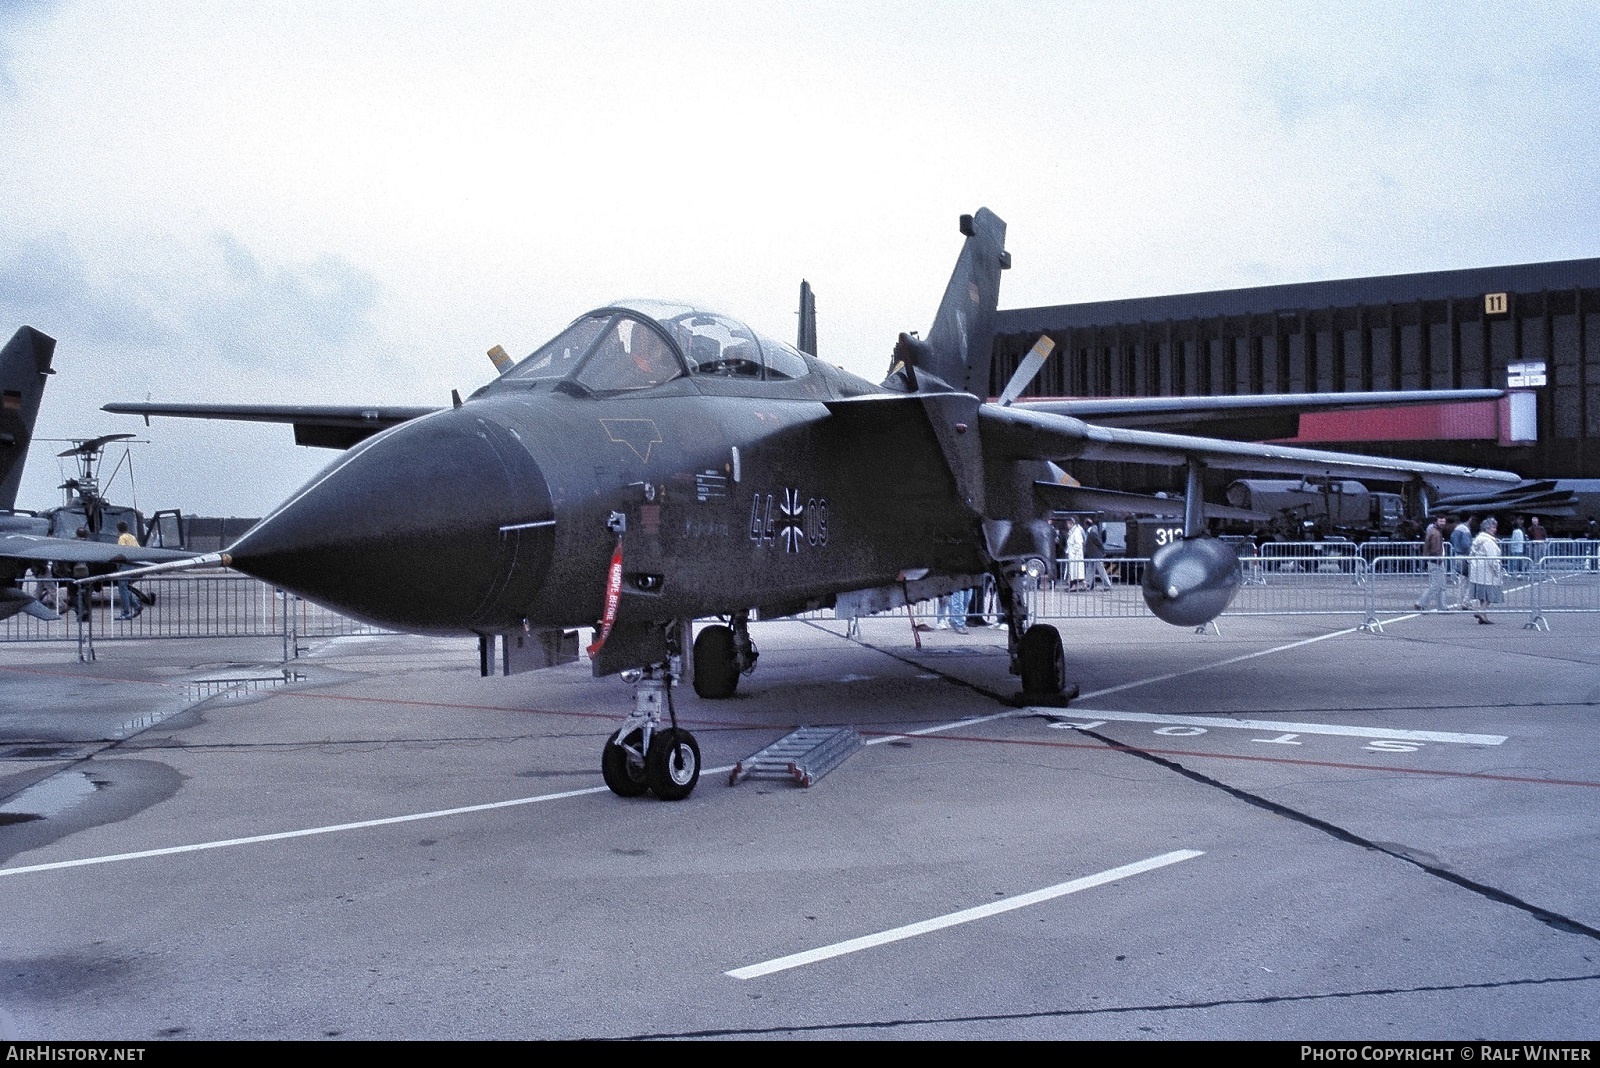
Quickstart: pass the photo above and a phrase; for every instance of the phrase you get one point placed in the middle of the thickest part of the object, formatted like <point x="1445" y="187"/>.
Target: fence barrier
<point x="192" y="605"/>
<point x="1308" y="579"/>
<point x="1285" y="579"/>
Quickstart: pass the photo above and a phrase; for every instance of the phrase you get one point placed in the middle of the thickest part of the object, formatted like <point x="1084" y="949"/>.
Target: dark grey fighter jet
<point x="656" y="465"/>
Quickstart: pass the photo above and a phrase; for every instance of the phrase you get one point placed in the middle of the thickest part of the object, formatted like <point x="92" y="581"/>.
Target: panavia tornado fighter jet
<point x="655" y="465"/>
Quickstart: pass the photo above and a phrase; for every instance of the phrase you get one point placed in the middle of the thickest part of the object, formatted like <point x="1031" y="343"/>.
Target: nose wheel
<point x="645" y="757"/>
<point x="672" y="766"/>
<point x="622" y="763"/>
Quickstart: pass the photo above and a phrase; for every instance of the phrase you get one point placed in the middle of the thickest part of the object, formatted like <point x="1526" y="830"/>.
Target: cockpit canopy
<point x="639" y="344"/>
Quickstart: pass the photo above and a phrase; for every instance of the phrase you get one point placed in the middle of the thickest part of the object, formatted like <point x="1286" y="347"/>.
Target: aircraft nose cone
<point x="405" y="530"/>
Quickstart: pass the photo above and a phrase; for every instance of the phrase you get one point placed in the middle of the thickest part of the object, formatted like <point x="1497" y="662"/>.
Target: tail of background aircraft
<point x="958" y="350"/>
<point x="806" y="339"/>
<point x="24" y="365"/>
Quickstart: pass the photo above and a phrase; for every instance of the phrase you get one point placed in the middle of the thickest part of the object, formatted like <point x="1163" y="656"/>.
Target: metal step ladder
<point x="803" y="756"/>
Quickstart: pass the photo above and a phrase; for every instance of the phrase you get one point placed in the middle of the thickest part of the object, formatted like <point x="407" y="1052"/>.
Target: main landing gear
<point x="721" y="655"/>
<point x="645" y="756"/>
<point x="1042" y="663"/>
<point x="1037" y="654"/>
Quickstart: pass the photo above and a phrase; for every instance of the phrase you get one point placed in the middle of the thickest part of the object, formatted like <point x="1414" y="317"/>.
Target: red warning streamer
<point x="613" y="599"/>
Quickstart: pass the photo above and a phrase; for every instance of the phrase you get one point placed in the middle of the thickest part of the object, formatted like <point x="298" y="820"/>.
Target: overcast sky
<point x="352" y="201"/>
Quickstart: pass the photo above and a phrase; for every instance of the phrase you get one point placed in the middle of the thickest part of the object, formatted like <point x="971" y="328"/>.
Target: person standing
<point x="1074" y="554"/>
<point x="1433" y="550"/>
<point x="130" y="604"/>
<point x="1538" y="535"/>
<point x="1461" y="546"/>
<point x="1483" y="570"/>
<point x="1517" y="547"/>
<point x="79" y="598"/>
<point x="955" y="607"/>
<point x="1094" y="554"/>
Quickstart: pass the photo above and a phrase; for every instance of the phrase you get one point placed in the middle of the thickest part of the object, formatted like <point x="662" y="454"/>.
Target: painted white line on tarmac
<point x="970" y="721"/>
<point x="1281" y="727"/>
<point x="306" y="832"/>
<point x="309" y="832"/>
<point x="939" y="923"/>
<point x="1216" y="664"/>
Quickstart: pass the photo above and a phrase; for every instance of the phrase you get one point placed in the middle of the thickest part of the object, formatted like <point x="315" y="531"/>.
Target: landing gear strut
<point x="721" y="655"/>
<point x="642" y="755"/>
<point x="1036" y="651"/>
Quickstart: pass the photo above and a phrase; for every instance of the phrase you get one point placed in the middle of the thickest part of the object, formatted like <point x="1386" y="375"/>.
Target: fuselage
<point x="729" y="484"/>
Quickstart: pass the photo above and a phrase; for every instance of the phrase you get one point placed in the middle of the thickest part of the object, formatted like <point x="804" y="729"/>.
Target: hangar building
<point x="1529" y="327"/>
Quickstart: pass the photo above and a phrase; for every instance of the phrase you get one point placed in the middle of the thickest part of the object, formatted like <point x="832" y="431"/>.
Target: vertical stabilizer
<point x="962" y="338"/>
<point x="24" y="365"/>
<point x="806" y="340"/>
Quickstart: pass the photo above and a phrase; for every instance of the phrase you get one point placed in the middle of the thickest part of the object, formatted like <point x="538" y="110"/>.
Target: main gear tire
<point x="716" y="667"/>
<point x="1043" y="661"/>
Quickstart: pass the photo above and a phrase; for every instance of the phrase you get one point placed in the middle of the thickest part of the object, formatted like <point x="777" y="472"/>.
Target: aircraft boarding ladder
<point x="803" y="756"/>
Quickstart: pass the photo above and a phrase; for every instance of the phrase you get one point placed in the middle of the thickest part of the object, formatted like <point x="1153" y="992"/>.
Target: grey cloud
<point x="277" y="314"/>
<point x="15" y="18"/>
<point x="225" y="301"/>
<point x="48" y="286"/>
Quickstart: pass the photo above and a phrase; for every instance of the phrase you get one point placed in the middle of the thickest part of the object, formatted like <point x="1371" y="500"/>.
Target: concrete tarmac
<point x="1288" y="830"/>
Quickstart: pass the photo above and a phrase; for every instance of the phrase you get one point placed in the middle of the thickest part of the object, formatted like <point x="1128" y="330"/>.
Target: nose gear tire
<point x="625" y="777"/>
<point x="672" y="767"/>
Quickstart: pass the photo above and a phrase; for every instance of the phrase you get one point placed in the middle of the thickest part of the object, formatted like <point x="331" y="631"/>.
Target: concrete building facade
<point x="1528" y="327"/>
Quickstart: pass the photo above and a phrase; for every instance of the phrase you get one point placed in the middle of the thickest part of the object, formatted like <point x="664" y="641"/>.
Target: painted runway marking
<point x="1219" y="663"/>
<point x="938" y="728"/>
<point x="1276" y="726"/>
<point x="939" y="923"/>
<point x="306" y="832"/>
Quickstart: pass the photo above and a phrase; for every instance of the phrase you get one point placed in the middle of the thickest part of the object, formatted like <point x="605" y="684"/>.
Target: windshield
<point x="627" y="347"/>
<point x="629" y="355"/>
<point x="557" y="357"/>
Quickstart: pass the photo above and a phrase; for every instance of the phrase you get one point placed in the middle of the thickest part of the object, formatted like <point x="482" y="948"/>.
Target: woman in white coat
<point x="1074" y="555"/>
<point x="1484" y="571"/>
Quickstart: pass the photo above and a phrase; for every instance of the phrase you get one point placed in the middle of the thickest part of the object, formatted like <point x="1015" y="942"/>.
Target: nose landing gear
<point x="642" y="755"/>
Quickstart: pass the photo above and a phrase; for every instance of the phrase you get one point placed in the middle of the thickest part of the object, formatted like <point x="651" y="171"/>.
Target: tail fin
<point x="24" y="363"/>
<point x="962" y="338"/>
<point x="806" y="340"/>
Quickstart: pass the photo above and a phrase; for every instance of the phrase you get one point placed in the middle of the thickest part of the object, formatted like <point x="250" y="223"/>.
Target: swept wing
<point x="1254" y="417"/>
<point x="1026" y="434"/>
<point x="328" y="426"/>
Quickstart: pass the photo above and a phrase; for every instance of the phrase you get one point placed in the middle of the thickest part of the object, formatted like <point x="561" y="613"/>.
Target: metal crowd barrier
<point x="1566" y="583"/>
<point x="192" y="605"/>
<point x="1330" y="579"/>
<point x="1286" y="579"/>
<point x="1532" y="551"/>
<point x="1309" y="557"/>
<point x="1343" y="583"/>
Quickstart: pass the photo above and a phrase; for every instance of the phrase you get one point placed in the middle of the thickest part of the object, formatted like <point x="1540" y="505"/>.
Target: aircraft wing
<point x="1024" y="434"/>
<point x="1252" y="418"/>
<point x="327" y="426"/>
<point x="37" y="547"/>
